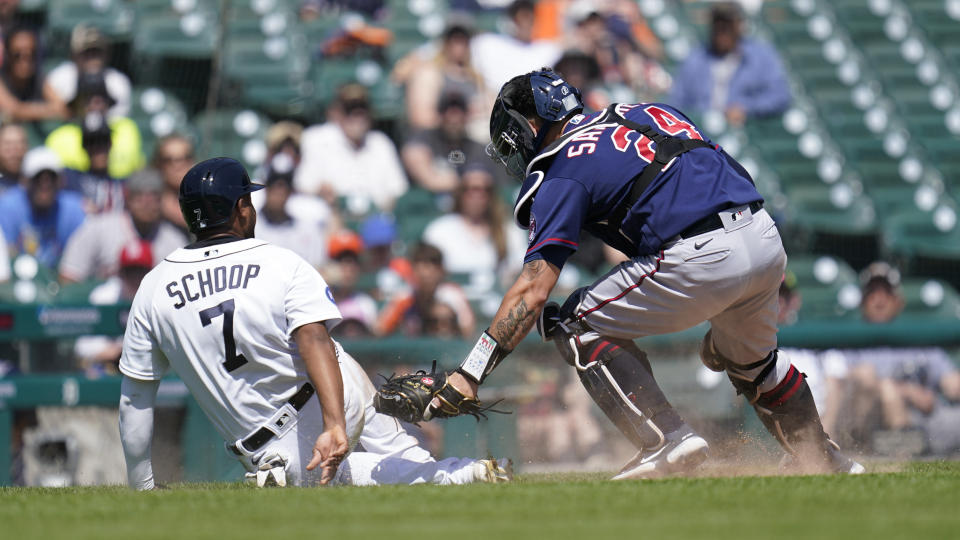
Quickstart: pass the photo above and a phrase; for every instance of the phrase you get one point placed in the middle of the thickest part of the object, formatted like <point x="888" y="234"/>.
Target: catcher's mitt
<point x="409" y="397"/>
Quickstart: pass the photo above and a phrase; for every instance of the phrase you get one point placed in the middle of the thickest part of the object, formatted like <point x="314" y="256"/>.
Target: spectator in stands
<point x="416" y="313"/>
<point x="172" y="158"/>
<point x="91" y="55"/>
<point x="24" y="94"/>
<point x="627" y="71"/>
<point x="357" y="309"/>
<point x="740" y="77"/>
<point x="99" y="355"/>
<point x="881" y="299"/>
<point x="477" y="237"/>
<point x="278" y="225"/>
<point x="346" y="158"/>
<point x="436" y="157"/>
<point x="93" y="97"/>
<point x="393" y="274"/>
<point x="39" y="218"/>
<point x="13" y="146"/>
<point x="283" y="137"/>
<point x="499" y="57"/>
<point x="908" y="389"/>
<point x="447" y="71"/>
<point x="100" y="192"/>
<point x="9" y="18"/>
<point x="94" y="251"/>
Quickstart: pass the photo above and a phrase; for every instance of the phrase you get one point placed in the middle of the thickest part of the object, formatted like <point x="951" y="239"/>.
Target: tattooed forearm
<point x="533" y="268"/>
<point x="511" y="329"/>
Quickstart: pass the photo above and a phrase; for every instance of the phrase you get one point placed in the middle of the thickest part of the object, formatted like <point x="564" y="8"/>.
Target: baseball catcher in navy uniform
<point x="648" y="182"/>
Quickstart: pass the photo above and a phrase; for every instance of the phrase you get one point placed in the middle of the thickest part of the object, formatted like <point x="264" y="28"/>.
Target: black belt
<point x="713" y="222"/>
<point x="262" y="435"/>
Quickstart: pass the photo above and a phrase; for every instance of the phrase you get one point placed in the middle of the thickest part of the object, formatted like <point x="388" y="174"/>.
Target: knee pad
<point x="748" y="378"/>
<point x="618" y="377"/>
<point x="556" y="320"/>
<point x="711" y="358"/>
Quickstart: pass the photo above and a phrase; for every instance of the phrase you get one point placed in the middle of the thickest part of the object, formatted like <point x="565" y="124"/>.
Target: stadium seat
<point x="232" y="132"/>
<point x="930" y="298"/>
<point x="827" y="285"/>
<point x="157" y="113"/>
<point x="112" y="17"/>
<point x="188" y="36"/>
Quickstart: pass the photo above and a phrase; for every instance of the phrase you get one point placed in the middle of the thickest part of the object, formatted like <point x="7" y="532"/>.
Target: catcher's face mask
<point x="514" y="143"/>
<point x="512" y="139"/>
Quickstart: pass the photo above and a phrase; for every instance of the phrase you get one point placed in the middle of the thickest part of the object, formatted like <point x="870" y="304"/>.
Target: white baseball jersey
<point x="222" y="316"/>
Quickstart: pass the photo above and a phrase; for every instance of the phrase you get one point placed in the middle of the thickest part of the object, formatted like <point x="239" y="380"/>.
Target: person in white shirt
<point x="476" y="238"/>
<point x="344" y="157"/>
<point x="90" y="49"/>
<point x="498" y="57"/>
<point x="93" y="252"/>
<point x="245" y="325"/>
<point x="279" y="225"/>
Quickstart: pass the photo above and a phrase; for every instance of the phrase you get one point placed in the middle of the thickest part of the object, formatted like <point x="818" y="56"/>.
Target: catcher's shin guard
<point x="790" y="415"/>
<point x="618" y="377"/>
<point x="616" y="374"/>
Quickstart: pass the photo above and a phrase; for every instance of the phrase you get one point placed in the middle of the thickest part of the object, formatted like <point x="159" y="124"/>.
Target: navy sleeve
<point x="557" y="214"/>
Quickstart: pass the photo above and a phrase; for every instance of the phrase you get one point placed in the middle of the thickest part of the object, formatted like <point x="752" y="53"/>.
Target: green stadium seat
<point x="828" y="286"/>
<point x="30" y="6"/>
<point x="415" y="209"/>
<point x="844" y="225"/>
<point x="812" y="270"/>
<point x="190" y="36"/>
<point x="931" y="298"/>
<point x="891" y="199"/>
<point x="915" y="233"/>
<point x="232" y="132"/>
<point x="270" y="72"/>
<point x="112" y="17"/>
<point x="157" y="113"/>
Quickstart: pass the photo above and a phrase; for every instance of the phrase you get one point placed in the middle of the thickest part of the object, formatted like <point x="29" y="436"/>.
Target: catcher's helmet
<point x="210" y="190"/>
<point x="513" y="142"/>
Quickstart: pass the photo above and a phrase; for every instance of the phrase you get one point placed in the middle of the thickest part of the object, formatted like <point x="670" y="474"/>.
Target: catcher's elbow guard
<point x="484" y="357"/>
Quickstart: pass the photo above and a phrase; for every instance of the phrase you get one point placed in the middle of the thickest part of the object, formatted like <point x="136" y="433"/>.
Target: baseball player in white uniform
<point x="244" y="324"/>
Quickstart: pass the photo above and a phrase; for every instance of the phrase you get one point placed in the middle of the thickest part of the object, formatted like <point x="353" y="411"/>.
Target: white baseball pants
<point x="729" y="276"/>
<point x="390" y="455"/>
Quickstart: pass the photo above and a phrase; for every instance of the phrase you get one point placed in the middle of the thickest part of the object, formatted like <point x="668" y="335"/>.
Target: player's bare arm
<point x="320" y="357"/>
<point x="518" y="312"/>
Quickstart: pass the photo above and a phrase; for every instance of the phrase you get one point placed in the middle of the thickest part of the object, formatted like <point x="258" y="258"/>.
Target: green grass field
<point x="922" y="501"/>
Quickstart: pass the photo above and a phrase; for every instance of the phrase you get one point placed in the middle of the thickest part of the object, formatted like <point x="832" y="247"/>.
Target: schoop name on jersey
<point x="203" y="283"/>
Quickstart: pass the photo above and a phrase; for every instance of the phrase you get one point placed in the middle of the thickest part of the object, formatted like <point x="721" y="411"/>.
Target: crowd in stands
<point x="88" y="205"/>
<point x="890" y="400"/>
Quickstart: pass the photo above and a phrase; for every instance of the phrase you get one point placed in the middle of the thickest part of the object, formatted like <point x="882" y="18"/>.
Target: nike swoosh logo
<point x="698" y="245"/>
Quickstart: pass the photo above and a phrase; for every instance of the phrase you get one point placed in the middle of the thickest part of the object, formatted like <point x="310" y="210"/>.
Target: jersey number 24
<point x="620" y="137"/>
<point x="225" y="308"/>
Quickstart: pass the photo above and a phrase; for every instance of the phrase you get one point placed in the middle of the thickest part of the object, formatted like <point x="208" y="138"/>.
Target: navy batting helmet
<point x="210" y="190"/>
<point x="546" y="96"/>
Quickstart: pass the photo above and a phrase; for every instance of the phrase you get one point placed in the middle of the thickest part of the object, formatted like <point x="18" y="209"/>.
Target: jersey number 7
<point x="225" y="308"/>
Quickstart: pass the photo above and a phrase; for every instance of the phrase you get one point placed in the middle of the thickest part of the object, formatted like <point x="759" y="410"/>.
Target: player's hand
<point x="466" y="387"/>
<point x="329" y="450"/>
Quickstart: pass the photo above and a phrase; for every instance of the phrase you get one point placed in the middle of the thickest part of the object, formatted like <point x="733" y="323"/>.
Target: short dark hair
<point x="426" y="253"/>
<point x="518" y="95"/>
<point x="518" y="6"/>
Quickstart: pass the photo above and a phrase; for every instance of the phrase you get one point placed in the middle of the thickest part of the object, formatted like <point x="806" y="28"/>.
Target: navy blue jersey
<point x="576" y="183"/>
